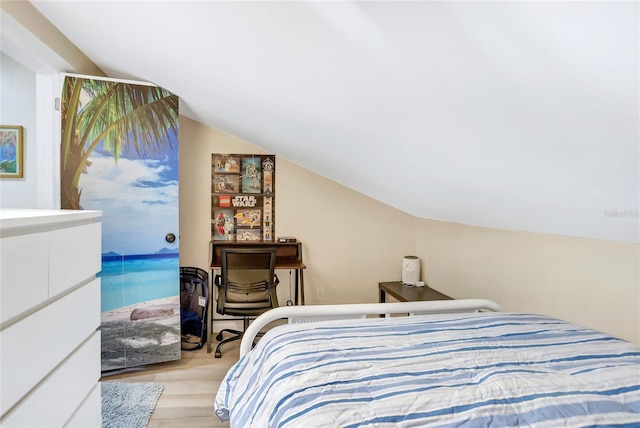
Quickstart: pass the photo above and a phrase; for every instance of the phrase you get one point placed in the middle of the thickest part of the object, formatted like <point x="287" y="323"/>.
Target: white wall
<point x="28" y="99"/>
<point x="18" y="107"/>
<point x="352" y="242"/>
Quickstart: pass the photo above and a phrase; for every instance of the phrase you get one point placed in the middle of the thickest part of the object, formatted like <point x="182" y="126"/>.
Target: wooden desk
<point x="288" y="256"/>
<point x="405" y="293"/>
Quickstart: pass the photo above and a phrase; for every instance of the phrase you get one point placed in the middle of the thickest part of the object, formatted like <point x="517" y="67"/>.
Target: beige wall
<point x="350" y="242"/>
<point x="31" y="19"/>
<point x="594" y="283"/>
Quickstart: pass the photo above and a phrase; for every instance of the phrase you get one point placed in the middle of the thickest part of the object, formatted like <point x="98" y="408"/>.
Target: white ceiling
<point x="514" y="115"/>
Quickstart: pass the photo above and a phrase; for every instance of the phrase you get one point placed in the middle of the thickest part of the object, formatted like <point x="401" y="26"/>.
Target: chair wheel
<point x="218" y="354"/>
<point x="219" y="337"/>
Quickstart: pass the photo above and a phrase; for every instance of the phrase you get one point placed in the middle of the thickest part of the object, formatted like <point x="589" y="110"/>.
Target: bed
<point x="462" y="363"/>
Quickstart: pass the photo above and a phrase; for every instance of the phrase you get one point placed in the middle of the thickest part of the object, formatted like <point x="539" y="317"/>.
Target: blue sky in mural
<point x="128" y="190"/>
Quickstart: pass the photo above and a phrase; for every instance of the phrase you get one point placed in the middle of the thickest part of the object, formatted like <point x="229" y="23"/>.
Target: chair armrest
<point x="275" y="282"/>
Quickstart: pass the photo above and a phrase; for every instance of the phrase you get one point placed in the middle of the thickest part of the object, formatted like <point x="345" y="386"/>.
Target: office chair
<point x="246" y="287"/>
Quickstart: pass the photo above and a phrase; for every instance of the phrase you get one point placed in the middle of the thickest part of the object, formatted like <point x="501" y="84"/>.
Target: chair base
<point x="237" y="335"/>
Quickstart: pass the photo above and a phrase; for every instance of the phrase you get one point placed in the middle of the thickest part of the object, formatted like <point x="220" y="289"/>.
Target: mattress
<point x="463" y="370"/>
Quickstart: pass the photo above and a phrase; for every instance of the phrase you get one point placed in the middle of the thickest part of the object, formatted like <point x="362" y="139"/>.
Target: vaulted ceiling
<point x="514" y="115"/>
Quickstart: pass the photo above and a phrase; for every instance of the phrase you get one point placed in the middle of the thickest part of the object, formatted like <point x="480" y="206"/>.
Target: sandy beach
<point x="125" y="311"/>
<point x="150" y="336"/>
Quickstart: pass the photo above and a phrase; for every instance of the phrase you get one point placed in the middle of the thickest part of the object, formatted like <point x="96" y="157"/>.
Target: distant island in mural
<point x="127" y="280"/>
<point x="163" y="250"/>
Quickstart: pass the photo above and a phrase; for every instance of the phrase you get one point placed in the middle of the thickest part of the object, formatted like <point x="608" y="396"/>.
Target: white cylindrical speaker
<point x="410" y="270"/>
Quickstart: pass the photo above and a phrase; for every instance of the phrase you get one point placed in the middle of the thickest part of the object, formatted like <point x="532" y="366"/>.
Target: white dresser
<point x="49" y="318"/>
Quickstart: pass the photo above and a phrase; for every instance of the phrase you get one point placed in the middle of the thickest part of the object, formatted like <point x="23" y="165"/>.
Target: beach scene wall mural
<point x="119" y="154"/>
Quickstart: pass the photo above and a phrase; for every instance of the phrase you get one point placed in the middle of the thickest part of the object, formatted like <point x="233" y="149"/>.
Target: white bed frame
<point x="314" y="313"/>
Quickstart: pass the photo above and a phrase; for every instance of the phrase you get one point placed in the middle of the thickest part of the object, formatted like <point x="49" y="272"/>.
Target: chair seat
<point x="260" y="296"/>
<point x="246" y="307"/>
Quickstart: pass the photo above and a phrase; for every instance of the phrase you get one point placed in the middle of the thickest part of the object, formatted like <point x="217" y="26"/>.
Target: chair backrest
<point x="247" y="284"/>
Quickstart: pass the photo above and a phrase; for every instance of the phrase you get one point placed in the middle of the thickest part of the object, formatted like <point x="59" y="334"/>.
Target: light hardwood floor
<point x="190" y="385"/>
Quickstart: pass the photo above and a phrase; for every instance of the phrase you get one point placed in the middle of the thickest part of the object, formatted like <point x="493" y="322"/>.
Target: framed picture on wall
<point x="242" y="197"/>
<point x="11" y="151"/>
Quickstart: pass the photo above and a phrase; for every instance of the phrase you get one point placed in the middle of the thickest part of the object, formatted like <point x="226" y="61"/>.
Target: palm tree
<point x="123" y="117"/>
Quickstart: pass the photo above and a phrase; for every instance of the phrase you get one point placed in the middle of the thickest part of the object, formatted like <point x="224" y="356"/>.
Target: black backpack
<point x="194" y="302"/>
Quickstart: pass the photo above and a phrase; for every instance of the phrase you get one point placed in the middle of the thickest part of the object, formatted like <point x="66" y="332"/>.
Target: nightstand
<point x="406" y="293"/>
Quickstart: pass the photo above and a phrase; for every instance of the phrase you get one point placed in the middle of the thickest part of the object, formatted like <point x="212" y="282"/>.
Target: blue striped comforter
<point x="471" y="370"/>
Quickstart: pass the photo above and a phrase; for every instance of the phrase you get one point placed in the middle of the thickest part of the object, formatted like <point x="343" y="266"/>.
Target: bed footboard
<point x="314" y="313"/>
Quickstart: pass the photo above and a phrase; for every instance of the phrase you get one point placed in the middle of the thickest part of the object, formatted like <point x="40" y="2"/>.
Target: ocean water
<point x="127" y="280"/>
